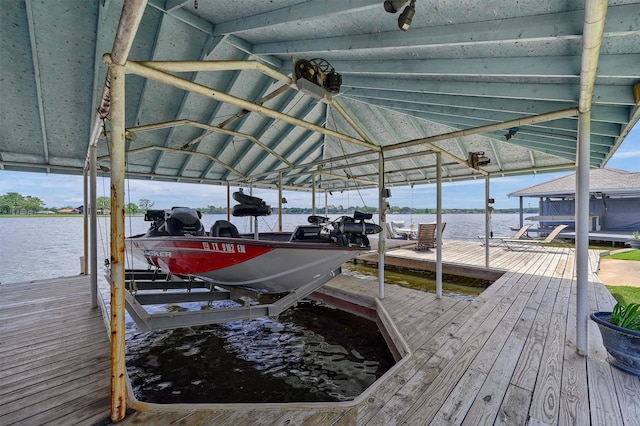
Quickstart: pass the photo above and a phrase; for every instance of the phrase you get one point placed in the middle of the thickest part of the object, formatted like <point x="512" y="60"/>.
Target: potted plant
<point x="634" y="242"/>
<point x="620" y="331"/>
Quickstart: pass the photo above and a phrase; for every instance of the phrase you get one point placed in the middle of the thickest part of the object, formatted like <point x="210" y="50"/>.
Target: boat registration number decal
<point x="224" y="247"/>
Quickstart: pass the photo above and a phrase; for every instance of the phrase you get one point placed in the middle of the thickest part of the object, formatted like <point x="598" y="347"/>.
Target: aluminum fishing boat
<point x="178" y="243"/>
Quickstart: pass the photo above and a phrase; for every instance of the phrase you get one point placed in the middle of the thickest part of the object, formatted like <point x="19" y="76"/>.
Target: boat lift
<point x="148" y="287"/>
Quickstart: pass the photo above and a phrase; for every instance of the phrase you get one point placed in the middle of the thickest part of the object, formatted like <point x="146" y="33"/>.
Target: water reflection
<point x="312" y="352"/>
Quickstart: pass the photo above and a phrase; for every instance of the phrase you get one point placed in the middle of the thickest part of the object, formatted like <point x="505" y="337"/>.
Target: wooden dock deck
<point x="507" y="357"/>
<point x="54" y="354"/>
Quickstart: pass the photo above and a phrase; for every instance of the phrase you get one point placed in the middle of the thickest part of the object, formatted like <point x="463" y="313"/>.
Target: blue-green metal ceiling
<point x="461" y="65"/>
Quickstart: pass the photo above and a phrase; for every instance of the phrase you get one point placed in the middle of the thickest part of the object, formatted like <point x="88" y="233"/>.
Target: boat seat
<point x="224" y="228"/>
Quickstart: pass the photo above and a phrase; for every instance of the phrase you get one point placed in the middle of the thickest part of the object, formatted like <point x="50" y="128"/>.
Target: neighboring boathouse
<point x="614" y="205"/>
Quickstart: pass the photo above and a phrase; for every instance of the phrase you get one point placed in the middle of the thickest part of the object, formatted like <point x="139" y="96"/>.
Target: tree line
<point x="14" y="203"/>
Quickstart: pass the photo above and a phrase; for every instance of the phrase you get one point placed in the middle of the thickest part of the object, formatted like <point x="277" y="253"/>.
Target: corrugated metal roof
<point x="461" y="65"/>
<point x="605" y="181"/>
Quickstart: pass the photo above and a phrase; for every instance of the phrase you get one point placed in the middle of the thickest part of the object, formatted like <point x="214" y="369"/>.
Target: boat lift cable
<point x="128" y="253"/>
<point x="128" y="256"/>
<point x="490" y="221"/>
<point x="411" y="208"/>
<point x="350" y="173"/>
<point x="107" y="261"/>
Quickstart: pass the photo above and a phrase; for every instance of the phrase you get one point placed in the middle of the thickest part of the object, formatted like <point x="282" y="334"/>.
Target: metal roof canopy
<point x="412" y="149"/>
<point x="458" y="79"/>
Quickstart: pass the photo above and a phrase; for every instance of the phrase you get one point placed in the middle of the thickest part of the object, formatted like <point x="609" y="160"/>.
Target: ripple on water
<point x="312" y="352"/>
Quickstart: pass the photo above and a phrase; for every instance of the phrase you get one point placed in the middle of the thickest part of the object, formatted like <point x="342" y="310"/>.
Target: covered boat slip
<point x="214" y="95"/>
<point x="506" y="357"/>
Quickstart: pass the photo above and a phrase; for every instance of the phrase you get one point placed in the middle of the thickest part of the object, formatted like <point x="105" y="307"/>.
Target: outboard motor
<point x="179" y="221"/>
<point x="352" y="231"/>
<point x="184" y="221"/>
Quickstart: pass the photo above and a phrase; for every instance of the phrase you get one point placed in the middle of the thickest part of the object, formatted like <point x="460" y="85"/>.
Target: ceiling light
<point x="405" y="18"/>
<point x="476" y="159"/>
<point x="392" y="6"/>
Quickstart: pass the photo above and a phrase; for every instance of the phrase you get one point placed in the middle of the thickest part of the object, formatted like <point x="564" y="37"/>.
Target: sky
<point x="65" y="190"/>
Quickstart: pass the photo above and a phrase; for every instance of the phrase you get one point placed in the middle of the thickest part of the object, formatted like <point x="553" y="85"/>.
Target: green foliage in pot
<point x="636" y="235"/>
<point x="626" y="316"/>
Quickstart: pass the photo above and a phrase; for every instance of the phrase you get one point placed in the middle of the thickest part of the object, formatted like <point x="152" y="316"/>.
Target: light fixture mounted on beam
<point x="511" y="133"/>
<point x="392" y="6"/>
<point x="406" y="17"/>
<point x="477" y="159"/>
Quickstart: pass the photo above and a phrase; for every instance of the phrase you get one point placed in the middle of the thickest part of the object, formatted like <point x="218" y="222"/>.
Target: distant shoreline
<point x="318" y="211"/>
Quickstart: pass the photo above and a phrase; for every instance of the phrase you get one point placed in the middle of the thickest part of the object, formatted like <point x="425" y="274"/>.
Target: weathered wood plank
<point x="476" y="332"/>
<point x="486" y="405"/>
<point x="515" y="407"/>
<point x="545" y="405"/>
<point x="454" y="409"/>
<point x="628" y="392"/>
<point x="574" y="395"/>
<point x="54" y="354"/>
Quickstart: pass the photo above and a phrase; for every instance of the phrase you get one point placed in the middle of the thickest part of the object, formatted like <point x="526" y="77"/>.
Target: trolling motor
<point x="353" y="231"/>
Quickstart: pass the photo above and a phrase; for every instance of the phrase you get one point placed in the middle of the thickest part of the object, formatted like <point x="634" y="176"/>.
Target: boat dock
<point x="506" y="357"/>
<point x="54" y="354"/>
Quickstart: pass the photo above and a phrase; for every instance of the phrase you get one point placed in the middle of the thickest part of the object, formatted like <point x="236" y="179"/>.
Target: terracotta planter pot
<point x="621" y="343"/>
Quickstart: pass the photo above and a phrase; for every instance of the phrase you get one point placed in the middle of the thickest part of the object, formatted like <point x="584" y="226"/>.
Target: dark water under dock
<point x="312" y="352"/>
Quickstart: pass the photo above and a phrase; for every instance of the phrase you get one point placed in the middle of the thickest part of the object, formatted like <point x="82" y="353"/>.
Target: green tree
<point x="11" y="202"/>
<point x="103" y="204"/>
<point x="32" y="204"/>
<point x="131" y="208"/>
<point x="145" y="204"/>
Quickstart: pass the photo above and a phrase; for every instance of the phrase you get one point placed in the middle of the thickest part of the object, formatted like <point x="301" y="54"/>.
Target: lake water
<point x="48" y="247"/>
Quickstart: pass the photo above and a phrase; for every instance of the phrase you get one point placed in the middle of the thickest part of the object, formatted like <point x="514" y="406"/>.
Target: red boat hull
<point x="273" y="266"/>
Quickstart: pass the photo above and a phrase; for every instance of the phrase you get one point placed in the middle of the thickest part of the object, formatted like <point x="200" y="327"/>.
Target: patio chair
<point x="427" y="236"/>
<point x="521" y="234"/>
<point x="553" y="235"/>
<point x="389" y="231"/>
<point x="395" y="225"/>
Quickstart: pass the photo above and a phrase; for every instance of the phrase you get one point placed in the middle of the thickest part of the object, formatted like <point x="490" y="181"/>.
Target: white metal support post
<point x="93" y="223"/>
<point x="85" y="221"/>
<point x="326" y="204"/>
<point x="313" y="194"/>
<point x="280" y="201"/>
<point x="487" y="220"/>
<point x="439" y="225"/>
<point x="595" y="13"/>
<point x="582" y="231"/>
<point x="118" y="368"/>
<point x="382" y="208"/>
<point x="521" y="211"/>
